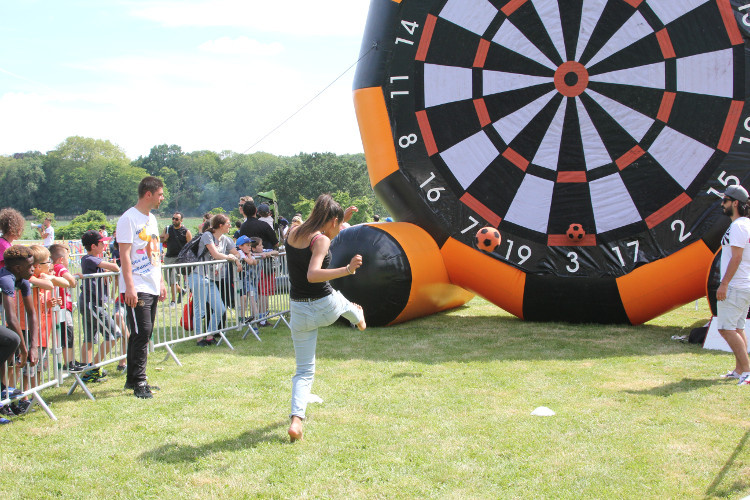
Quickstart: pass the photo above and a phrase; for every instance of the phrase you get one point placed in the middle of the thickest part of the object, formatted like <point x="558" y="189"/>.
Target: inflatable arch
<point x="596" y="135"/>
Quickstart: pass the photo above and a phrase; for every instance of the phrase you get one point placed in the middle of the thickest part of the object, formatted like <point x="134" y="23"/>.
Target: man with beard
<point x="176" y="236"/>
<point x="141" y="283"/>
<point x="733" y="295"/>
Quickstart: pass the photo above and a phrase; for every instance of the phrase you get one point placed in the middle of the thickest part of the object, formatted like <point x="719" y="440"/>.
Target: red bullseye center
<point x="571" y="79"/>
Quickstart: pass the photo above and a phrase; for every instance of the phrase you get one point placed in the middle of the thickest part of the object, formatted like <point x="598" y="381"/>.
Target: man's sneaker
<point x="75" y="366"/>
<point x="122" y="368"/>
<point x="744" y="379"/>
<point x="143" y="391"/>
<point x="731" y="374"/>
<point x="129" y="387"/>
<point x="173" y="304"/>
<point x="94" y="374"/>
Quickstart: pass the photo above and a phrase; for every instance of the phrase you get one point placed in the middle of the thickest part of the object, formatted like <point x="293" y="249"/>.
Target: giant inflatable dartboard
<point x="596" y="135"/>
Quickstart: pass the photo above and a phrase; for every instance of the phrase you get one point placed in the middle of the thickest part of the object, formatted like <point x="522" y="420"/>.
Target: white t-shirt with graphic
<point x="738" y="235"/>
<point x="142" y="232"/>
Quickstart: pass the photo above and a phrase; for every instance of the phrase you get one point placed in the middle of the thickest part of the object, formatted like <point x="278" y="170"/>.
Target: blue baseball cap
<point x="242" y="240"/>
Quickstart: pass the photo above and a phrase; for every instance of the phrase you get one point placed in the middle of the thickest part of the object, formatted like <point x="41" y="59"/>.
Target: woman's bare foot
<point x="361" y="325"/>
<point x="295" y="430"/>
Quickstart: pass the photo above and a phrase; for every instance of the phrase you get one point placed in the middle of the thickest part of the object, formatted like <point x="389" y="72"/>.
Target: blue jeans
<point x="306" y="318"/>
<point x="205" y="291"/>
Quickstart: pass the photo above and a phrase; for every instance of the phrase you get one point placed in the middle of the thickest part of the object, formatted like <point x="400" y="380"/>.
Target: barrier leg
<point x="250" y="329"/>
<point x="38" y="400"/>
<point x="224" y="338"/>
<point x="80" y="383"/>
<point x="171" y="354"/>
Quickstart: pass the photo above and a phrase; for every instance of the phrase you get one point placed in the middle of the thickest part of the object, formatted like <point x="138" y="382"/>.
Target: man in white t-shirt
<point x="733" y="295"/>
<point x="141" y="283"/>
<point x="47" y="232"/>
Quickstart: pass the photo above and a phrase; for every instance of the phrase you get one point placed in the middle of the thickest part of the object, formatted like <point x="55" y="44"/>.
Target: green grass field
<point x="438" y="407"/>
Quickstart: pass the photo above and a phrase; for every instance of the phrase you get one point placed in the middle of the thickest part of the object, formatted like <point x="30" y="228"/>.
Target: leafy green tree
<point x="22" y="177"/>
<point x="40" y="215"/>
<point x="92" y="219"/>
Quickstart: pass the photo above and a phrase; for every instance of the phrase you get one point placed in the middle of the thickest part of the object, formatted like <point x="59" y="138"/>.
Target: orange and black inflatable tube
<point x="665" y="284"/>
<point x="402" y="277"/>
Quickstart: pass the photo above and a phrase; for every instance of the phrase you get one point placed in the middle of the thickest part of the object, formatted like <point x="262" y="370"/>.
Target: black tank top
<point x="298" y="260"/>
<point x="177" y="240"/>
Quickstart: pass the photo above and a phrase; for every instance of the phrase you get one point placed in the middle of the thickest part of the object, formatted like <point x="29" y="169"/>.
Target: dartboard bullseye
<point x="623" y="119"/>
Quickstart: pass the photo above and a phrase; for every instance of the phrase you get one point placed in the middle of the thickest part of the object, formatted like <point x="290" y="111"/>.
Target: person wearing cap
<point x="733" y="294"/>
<point x="248" y="276"/>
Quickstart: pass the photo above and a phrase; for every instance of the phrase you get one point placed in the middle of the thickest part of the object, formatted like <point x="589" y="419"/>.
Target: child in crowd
<point x="11" y="225"/>
<point x="19" y="264"/>
<point x="248" y="276"/>
<point x="91" y="305"/>
<point x="44" y="304"/>
<point x="60" y="256"/>
<point x="267" y="278"/>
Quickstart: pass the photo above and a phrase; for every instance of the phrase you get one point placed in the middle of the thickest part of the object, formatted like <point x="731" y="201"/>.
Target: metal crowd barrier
<point x="216" y="297"/>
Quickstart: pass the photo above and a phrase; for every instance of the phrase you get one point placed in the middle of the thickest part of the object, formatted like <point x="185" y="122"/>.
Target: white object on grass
<point x="543" y="411"/>
<point x="312" y="398"/>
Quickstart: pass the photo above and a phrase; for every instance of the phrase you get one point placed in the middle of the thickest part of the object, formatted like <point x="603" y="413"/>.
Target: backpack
<point x="189" y="253"/>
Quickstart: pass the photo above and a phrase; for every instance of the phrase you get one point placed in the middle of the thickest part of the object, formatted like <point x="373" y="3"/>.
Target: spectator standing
<point x="140" y="279"/>
<point x="203" y="280"/>
<point x="47" y="232"/>
<point x="733" y="294"/>
<point x="376" y="218"/>
<point x="11" y="225"/>
<point x="19" y="267"/>
<point x="267" y="281"/>
<point x="60" y="256"/>
<point x="91" y="305"/>
<point x="103" y="231"/>
<point x="264" y="214"/>
<point x="176" y="236"/>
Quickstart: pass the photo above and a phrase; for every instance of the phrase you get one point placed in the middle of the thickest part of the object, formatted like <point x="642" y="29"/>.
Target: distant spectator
<point x="238" y="225"/>
<point x="264" y="214"/>
<point x="176" y="236"/>
<point x="248" y="278"/>
<point x="376" y="218"/>
<point x="103" y="231"/>
<point x="283" y="228"/>
<point x="206" y="223"/>
<point x="11" y="225"/>
<point x="47" y="232"/>
<point x="296" y="221"/>
<point x="254" y="227"/>
<point x="203" y="280"/>
<point x="241" y="204"/>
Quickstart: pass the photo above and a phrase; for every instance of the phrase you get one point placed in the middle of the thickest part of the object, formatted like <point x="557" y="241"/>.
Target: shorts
<point x="96" y="318"/>
<point x="67" y="336"/>
<point x="171" y="274"/>
<point x="250" y="282"/>
<point x="267" y="283"/>
<point x="732" y="311"/>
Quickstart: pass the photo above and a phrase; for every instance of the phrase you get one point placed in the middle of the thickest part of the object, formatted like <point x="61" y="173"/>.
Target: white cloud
<point x="241" y="45"/>
<point x="297" y="17"/>
<point x="197" y="102"/>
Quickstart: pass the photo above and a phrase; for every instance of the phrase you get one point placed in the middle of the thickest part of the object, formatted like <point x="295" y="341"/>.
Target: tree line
<point x="84" y="174"/>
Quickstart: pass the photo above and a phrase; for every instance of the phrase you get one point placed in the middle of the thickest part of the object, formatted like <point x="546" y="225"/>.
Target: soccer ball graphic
<point x="488" y="239"/>
<point x="575" y="232"/>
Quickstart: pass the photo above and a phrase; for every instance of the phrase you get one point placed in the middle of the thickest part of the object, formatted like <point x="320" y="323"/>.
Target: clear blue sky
<point x="202" y="74"/>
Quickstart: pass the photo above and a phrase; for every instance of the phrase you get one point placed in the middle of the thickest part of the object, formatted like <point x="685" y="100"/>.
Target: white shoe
<point x="731" y="374"/>
<point x="744" y="379"/>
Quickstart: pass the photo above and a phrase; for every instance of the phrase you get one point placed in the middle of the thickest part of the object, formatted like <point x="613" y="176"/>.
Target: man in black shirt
<point x="175" y="236"/>
<point x="253" y="227"/>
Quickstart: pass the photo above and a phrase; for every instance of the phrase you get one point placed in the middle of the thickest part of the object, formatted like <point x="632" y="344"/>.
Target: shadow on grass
<point x="713" y="490"/>
<point x="177" y="453"/>
<point x="684" y="385"/>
